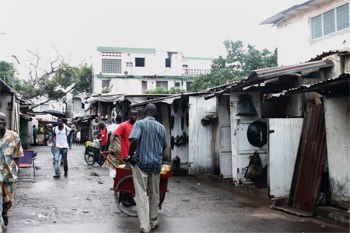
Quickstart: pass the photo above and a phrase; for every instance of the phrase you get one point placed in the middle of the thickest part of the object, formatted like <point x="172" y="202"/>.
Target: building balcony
<point x="194" y="72"/>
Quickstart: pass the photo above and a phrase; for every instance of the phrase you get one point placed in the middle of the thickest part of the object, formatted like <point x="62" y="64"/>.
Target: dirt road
<point x="83" y="202"/>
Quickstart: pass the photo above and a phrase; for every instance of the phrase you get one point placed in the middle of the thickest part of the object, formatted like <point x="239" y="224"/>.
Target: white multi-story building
<point x="131" y="71"/>
<point x="311" y="28"/>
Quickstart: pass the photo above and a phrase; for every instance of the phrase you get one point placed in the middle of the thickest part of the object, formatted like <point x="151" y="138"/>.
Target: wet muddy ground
<point x="83" y="202"/>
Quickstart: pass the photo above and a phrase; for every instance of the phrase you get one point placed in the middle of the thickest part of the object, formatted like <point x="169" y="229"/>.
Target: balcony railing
<point x="195" y="71"/>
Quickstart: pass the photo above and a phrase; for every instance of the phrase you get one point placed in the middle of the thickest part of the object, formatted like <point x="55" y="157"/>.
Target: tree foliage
<point x="240" y="61"/>
<point x="50" y="84"/>
<point x="162" y="90"/>
<point x="8" y="74"/>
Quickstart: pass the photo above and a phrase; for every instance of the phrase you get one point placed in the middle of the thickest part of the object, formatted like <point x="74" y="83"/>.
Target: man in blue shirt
<point x="149" y="138"/>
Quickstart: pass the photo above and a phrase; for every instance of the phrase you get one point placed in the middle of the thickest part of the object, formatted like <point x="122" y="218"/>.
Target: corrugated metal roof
<point x="7" y="87"/>
<point x="326" y="54"/>
<point x="167" y="99"/>
<point x="261" y="75"/>
<point x="268" y="73"/>
<point x="223" y="86"/>
<point x="329" y="86"/>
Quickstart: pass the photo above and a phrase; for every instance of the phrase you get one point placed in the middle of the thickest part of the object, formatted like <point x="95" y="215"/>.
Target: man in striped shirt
<point x="149" y="138"/>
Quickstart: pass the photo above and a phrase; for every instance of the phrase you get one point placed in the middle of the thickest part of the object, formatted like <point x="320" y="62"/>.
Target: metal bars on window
<point x="111" y="66"/>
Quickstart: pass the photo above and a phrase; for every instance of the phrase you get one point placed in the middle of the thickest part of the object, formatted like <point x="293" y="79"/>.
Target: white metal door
<point x="284" y="140"/>
<point x="225" y="151"/>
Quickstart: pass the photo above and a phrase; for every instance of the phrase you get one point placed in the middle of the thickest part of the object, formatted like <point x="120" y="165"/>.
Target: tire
<point x="89" y="157"/>
<point x="128" y="210"/>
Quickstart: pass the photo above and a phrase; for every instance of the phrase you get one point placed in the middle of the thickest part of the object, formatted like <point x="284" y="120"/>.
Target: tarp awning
<point x="106" y="98"/>
<point x="46" y="118"/>
<point x="55" y="113"/>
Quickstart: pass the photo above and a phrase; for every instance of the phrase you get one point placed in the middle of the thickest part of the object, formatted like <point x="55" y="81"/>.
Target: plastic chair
<point x="27" y="161"/>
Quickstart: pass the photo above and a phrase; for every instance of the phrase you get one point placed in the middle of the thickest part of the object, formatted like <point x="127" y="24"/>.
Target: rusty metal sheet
<point x="310" y="161"/>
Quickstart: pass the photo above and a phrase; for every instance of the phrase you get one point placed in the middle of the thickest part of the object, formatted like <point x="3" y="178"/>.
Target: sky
<point x="76" y="28"/>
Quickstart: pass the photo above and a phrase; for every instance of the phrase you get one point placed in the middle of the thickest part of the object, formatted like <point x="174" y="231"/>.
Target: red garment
<point x="124" y="131"/>
<point x="104" y="136"/>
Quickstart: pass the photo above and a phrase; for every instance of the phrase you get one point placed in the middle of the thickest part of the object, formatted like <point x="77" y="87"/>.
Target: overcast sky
<point x="76" y="27"/>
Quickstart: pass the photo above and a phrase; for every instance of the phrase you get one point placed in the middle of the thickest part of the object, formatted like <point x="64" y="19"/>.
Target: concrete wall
<point x="294" y="41"/>
<point x="133" y="86"/>
<point x="338" y="147"/>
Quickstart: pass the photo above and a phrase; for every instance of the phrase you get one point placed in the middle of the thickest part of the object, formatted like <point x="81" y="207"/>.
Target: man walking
<point x="10" y="151"/>
<point x="148" y="136"/>
<point x="60" y="133"/>
<point x="71" y="136"/>
<point x="35" y="134"/>
<point x="103" y="136"/>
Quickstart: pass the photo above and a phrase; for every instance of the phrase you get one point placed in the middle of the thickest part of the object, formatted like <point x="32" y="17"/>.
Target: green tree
<point x="8" y="74"/>
<point x="52" y="84"/>
<point x="162" y="90"/>
<point x="239" y="63"/>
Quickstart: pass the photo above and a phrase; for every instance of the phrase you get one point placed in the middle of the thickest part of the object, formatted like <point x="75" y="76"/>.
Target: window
<point x="139" y="62"/>
<point x="111" y="66"/>
<point x="331" y="21"/>
<point x="177" y="84"/>
<point x="111" y="54"/>
<point x="343" y="17"/>
<point x="168" y="62"/>
<point x="316" y="30"/>
<point x="188" y="86"/>
<point x="163" y="84"/>
<point x="105" y="83"/>
<point x="106" y="86"/>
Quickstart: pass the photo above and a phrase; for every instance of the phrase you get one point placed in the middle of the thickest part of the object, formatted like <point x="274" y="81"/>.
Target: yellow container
<point x="165" y="169"/>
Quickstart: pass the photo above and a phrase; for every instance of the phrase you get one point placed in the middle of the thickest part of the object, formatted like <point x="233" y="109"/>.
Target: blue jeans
<point x="57" y="153"/>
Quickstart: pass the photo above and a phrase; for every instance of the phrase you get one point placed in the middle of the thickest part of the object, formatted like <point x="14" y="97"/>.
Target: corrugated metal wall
<point x="310" y="161"/>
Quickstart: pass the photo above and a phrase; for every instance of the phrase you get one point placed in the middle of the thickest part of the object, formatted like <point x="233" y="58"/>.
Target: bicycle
<point x="92" y="154"/>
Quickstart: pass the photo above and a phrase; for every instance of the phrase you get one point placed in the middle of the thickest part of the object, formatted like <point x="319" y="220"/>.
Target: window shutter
<point x="343" y="17"/>
<point x="328" y="22"/>
<point x="316" y="29"/>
